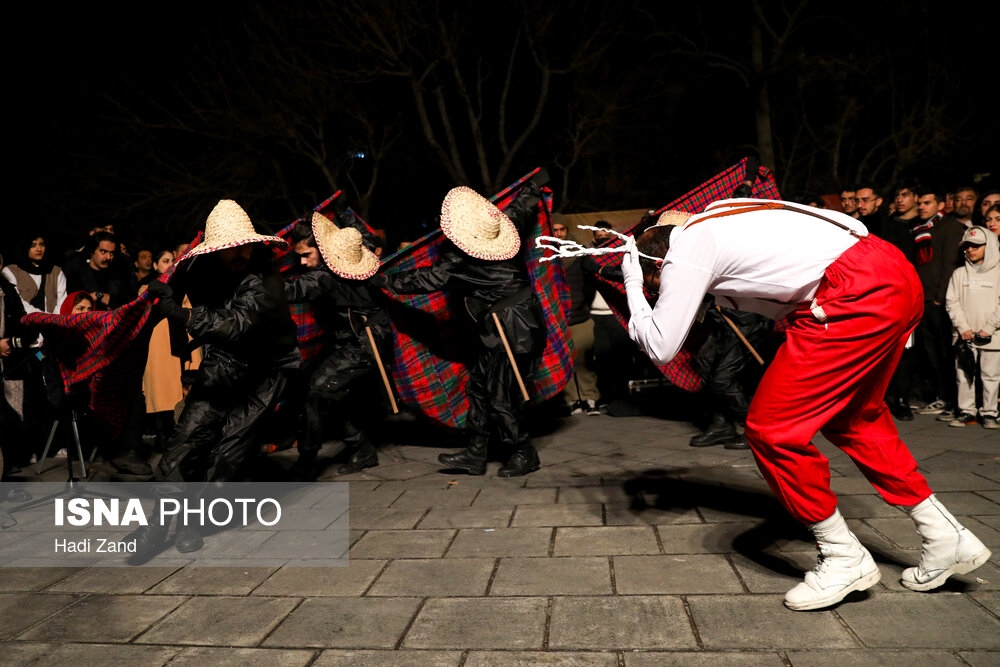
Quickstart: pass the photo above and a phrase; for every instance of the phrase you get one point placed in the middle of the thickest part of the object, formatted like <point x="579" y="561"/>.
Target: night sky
<point x="145" y="116"/>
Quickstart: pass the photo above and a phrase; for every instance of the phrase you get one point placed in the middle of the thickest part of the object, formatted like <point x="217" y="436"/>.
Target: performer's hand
<point x="159" y="290"/>
<point x="5" y="347"/>
<point x="967" y="335"/>
<point x="631" y="269"/>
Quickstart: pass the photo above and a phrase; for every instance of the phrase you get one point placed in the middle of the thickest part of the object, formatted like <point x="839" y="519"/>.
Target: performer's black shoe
<point x="149" y="540"/>
<point x="720" y="432"/>
<point x="900" y="409"/>
<point x="132" y="463"/>
<point x="524" y="460"/>
<point x="365" y="457"/>
<point x="467" y="460"/>
<point x="306" y="469"/>
<point x="188" y="539"/>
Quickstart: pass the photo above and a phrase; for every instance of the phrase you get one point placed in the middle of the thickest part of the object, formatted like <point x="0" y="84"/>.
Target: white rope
<point x="567" y="248"/>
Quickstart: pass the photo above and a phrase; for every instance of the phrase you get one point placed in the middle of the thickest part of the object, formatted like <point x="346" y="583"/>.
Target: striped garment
<point x="680" y="370"/>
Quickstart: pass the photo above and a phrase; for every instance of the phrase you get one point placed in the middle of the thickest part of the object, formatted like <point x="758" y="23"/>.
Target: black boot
<point x="188" y="539"/>
<point x="524" y="460"/>
<point x="149" y="539"/>
<point x="472" y="459"/>
<point x="363" y="457"/>
<point x="306" y="468"/>
<point x="720" y="432"/>
<point x="900" y="409"/>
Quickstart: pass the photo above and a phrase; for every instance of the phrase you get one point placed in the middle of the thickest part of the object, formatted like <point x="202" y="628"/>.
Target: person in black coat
<point x="483" y="265"/>
<point x="241" y="319"/>
<point x="344" y="382"/>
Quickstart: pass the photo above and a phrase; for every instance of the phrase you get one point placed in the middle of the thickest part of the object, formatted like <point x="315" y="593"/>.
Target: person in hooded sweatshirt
<point x="973" y="303"/>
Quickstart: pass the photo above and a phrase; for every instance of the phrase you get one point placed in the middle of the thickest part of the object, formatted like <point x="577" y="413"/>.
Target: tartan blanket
<point x="105" y="349"/>
<point x="430" y="364"/>
<point x="680" y="370"/>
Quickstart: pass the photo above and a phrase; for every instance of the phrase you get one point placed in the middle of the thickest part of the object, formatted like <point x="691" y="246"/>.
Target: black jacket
<point x="342" y="307"/>
<point x="251" y="336"/>
<point x="116" y="281"/>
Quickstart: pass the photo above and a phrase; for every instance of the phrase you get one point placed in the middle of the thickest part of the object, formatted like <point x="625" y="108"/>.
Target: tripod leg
<point x="79" y="448"/>
<point x="48" y="443"/>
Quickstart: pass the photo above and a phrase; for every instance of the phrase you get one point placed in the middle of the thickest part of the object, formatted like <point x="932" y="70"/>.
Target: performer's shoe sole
<point x="964" y="567"/>
<point x="861" y="584"/>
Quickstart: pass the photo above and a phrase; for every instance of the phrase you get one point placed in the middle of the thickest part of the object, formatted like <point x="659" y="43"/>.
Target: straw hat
<point x="343" y="250"/>
<point x="673" y="218"/>
<point x="477" y="226"/>
<point x="228" y="226"/>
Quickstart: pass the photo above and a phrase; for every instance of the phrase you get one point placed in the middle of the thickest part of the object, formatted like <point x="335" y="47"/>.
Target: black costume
<point x="345" y="382"/>
<point x="496" y="407"/>
<point x="250" y="348"/>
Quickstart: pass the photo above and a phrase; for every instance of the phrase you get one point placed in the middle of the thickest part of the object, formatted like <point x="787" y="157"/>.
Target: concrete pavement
<point x="627" y="548"/>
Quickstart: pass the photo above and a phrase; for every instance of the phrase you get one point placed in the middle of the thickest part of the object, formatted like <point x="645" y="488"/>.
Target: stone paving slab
<point x="345" y="623"/>
<point x="221" y="621"/>
<point x="17" y="579"/>
<point x="103" y="618"/>
<point x="213" y="581"/>
<point x="19" y="611"/>
<point x="85" y="655"/>
<point x="703" y="658"/>
<point x="935" y="620"/>
<point x="478" y="542"/>
<point x="639" y="622"/>
<point x="533" y="658"/>
<point x="675" y="574"/>
<point x="606" y="541"/>
<point x="439" y="577"/>
<point x="981" y="658"/>
<point x="487" y="623"/>
<point x="578" y="514"/>
<point x="552" y="576"/>
<point x="468" y="517"/>
<point x="112" y="580"/>
<point x="352" y="580"/>
<point x="402" y="544"/>
<point x="239" y="657"/>
<point x="340" y="658"/>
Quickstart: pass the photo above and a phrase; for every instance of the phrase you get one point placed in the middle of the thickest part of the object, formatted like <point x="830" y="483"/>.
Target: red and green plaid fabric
<point x="680" y="371"/>
<point x="106" y="349"/>
<point x="431" y="331"/>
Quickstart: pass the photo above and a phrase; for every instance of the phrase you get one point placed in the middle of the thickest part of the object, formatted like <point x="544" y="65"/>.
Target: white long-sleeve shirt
<point x="765" y="262"/>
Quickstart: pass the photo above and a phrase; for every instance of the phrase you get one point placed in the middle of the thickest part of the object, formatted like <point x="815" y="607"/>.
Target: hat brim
<point x="323" y="232"/>
<point x="202" y="249"/>
<point x="461" y="206"/>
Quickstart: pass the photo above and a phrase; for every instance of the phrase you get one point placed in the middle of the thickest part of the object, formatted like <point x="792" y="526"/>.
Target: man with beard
<point x="849" y="200"/>
<point x="241" y="319"/>
<point x="965" y="204"/>
<point x="870" y="208"/>
<point x="851" y="300"/>
<point x="345" y="382"/>
<point x="94" y="271"/>
<point x="484" y="267"/>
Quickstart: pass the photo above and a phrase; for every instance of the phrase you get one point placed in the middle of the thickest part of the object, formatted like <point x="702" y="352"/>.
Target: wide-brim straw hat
<point x="673" y="218"/>
<point x="479" y="228"/>
<point x="343" y="250"/>
<point x="228" y="226"/>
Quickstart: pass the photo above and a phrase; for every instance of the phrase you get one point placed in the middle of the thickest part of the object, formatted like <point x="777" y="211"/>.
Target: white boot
<point x="844" y="567"/>
<point x="948" y="548"/>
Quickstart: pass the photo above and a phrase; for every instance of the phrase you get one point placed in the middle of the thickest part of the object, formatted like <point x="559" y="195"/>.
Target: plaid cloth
<point x="680" y="370"/>
<point x="430" y="373"/>
<point x="105" y="349"/>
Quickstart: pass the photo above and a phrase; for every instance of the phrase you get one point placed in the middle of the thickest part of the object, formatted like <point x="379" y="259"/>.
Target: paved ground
<point x="627" y="548"/>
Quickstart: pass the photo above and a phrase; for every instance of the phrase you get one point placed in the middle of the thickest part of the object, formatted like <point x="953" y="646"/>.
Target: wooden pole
<point x="743" y="338"/>
<point x="381" y="369"/>
<point x="510" y="355"/>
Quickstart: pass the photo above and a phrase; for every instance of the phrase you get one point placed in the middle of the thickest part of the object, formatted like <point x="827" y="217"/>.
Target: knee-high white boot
<point x="844" y="567"/>
<point x="948" y="547"/>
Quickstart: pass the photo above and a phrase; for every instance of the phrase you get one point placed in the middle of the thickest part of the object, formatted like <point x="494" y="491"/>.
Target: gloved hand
<point x="631" y="269"/>
<point x="159" y="290"/>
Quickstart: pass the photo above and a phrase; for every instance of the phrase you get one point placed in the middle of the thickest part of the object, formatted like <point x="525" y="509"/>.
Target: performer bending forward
<point x="344" y="383"/>
<point x="852" y="300"/>
<point x="493" y="280"/>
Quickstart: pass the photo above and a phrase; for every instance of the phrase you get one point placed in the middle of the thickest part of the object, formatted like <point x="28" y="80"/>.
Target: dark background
<point x="145" y="116"/>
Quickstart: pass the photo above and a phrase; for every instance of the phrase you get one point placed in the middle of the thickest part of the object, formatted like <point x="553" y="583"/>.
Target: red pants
<point x="832" y="378"/>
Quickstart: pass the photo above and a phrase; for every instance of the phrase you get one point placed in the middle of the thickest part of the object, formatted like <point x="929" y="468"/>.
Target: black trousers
<point x="935" y="353"/>
<point x="496" y="406"/>
<point x="218" y="431"/>
<point x="613" y="358"/>
<point x="346" y="389"/>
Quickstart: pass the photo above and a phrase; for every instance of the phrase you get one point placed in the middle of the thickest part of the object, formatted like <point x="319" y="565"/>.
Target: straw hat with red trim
<point x="228" y="226"/>
<point x="343" y="249"/>
<point x="479" y="228"/>
<point x="673" y="218"/>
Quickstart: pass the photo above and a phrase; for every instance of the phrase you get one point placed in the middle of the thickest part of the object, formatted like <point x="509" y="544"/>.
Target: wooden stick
<point x="510" y="355"/>
<point x="739" y="333"/>
<point x="381" y="369"/>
